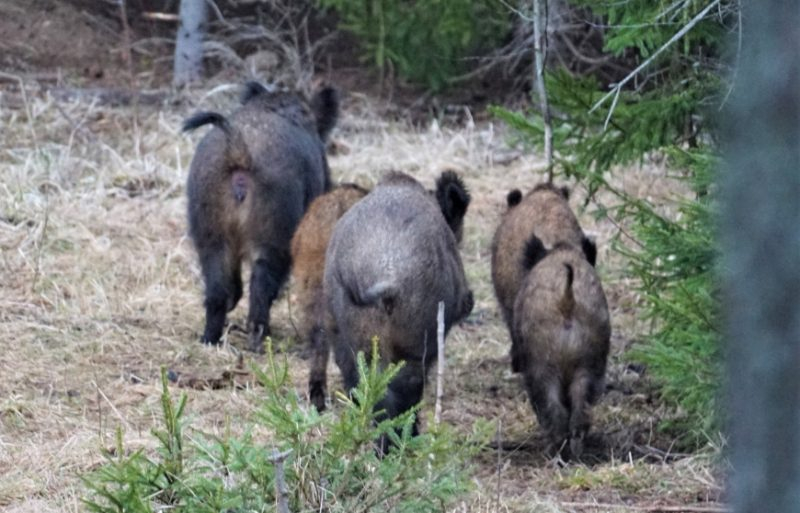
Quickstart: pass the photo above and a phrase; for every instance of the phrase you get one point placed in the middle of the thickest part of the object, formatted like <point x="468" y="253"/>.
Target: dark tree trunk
<point x="188" y="65"/>
<point x="761" y="264"/>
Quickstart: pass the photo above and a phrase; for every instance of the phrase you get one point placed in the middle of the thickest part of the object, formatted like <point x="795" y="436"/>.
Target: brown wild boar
<point x="392" y="257"/>
<point x="545" y="212"/>
<point x="561" y="330"/>
<point x="309" y="244"/>
<point x="251" y="179"/>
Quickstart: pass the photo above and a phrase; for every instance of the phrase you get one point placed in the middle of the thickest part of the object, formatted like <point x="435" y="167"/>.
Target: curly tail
<point x="567" y="302"/>
<point x="237" y="155"/>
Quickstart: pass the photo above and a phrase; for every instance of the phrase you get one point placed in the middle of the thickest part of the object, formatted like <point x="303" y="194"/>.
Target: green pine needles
<point x="425" y="42"/>
<point x="668" y="109"/>
<point x="330" y="459"/>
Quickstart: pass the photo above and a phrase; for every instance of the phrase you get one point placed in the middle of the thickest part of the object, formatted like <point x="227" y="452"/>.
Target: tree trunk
<point x="761" y="263"/>
<point x="188" y="65"/>
<point x="540" y="57"/>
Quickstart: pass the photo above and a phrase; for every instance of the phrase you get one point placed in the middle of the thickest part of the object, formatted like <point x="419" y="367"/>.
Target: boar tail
<point x="383" y="293"/>
<point x="237" y="155"/>
<point x="325" y="106"/>
<point x="567" y="302"/>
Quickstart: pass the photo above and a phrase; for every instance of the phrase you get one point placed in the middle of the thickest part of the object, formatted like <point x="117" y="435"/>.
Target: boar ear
<point x="534" y="252"/>
<point x="513" y="198"/>
<point x="325" y="106"/>
<point x="251" y="90"/>
<point x="589" y="249"/>
<point x="453" y="198"/>
<point x="564" y="192"/>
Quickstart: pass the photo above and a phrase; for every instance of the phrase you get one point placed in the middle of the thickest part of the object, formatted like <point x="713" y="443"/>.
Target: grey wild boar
<point x="561" y="332"/>
<point x="251" y="179"/>
<point x="392" y="257"/>
<point x="309" y="244"/>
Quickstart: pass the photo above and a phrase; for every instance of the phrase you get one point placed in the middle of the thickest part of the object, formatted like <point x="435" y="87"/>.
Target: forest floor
<point x="100" y="288"/>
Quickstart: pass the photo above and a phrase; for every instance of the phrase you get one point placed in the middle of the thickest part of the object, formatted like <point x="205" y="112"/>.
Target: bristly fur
<point x="563" y="191"/>
<point x="325" y="106"/>
<point x="513" y="198"/>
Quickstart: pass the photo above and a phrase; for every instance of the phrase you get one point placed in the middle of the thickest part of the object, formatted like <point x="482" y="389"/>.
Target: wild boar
<point x="561" y="332"/>
<point x="543" y="212"/>
<point x="251" y="179"/>
<point x="309" y="244"/>
<point x="392" y="257"/>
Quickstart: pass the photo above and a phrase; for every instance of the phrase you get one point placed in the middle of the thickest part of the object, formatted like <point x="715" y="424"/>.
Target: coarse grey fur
<point x="250" y="181"/>
<point x="391" y="259"/>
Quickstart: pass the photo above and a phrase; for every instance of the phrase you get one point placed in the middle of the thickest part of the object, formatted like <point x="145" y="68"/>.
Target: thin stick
<point x="650" y="509"/>
<point x="281" y="493"/>
<point x="126" y="38"/>
<point x="499" y="468"/>
<point x="540" y="54"/>
<point x="689" y="26"/>
<point x="437" y="411"/>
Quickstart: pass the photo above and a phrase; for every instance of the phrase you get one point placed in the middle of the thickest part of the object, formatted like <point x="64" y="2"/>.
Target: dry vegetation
<point x="99" y="288"/>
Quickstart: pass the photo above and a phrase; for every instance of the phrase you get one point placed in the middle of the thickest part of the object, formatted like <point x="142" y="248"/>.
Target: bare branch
<point x="281" y="493"/>
<point x="682" y="32"/>
<point x="437" y="415"/>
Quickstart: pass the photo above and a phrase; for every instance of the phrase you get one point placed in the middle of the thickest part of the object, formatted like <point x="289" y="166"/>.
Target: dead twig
<point x="617" y="88"/>
<point x="649" y="508"/>
<point x="281" y="493"/>
<point x="437" y="410"/>
<point x="161" y="16"/>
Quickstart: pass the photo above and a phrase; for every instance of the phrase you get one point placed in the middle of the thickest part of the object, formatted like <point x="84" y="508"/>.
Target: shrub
<point x="425" y="42"/>
<point x="330" y="458"/>
<point x="667" y="112"/>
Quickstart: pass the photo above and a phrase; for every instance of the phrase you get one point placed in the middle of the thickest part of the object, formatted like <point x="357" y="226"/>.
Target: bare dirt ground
<point x="99" y="288"/>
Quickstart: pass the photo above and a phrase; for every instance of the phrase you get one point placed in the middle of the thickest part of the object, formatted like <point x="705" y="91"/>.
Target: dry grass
<point x="99" y="288"/>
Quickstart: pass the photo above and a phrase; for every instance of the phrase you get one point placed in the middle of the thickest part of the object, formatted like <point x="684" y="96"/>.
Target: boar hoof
<point x="257" y="334"/>
<point x="209" y="342"/>
<point x="316" y="394"/>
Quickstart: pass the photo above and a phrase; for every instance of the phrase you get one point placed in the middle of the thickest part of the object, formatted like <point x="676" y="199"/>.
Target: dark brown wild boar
<point x="561" y="330"/>
<point x="309" y="244"/>
<point x="544" y="211"/>
<point x="392" y="257"/>
<point x="251" y="179"/>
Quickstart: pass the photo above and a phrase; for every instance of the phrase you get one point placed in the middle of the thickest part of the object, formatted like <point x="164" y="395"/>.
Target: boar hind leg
<point x="580" y="396"/>
<point x="545" y="393"/>
<point x="268" y="274"/>
<point x="317" y="380"/>
<point x="404" y="392"/>
<point x="223" y="279"/>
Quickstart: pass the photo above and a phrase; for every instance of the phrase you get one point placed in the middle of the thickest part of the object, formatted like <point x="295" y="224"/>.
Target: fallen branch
<point x="109" y="96"/>
<point x="160" y="16"/>
<point x="649" y="509"/>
